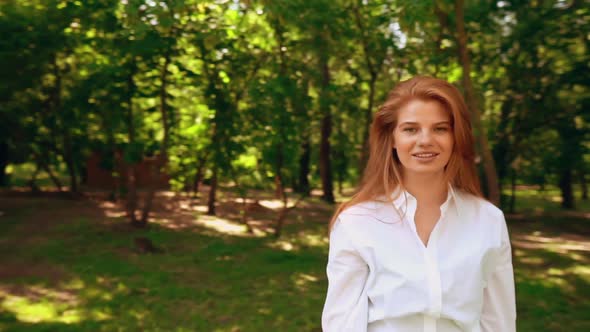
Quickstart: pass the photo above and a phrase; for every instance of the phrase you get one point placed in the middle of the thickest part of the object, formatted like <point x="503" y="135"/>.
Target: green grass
<point x="74" y="271"/>
<point x="552" y="279"/>
<point x="19" y="175"/>
<point x="540" y="201"/>
<point x="203" y="281"/>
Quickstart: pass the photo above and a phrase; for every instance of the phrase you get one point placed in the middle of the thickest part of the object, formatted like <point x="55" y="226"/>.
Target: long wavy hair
<point x="382" y="173"/>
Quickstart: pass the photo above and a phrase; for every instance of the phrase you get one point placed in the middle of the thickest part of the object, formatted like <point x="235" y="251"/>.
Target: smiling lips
<point x="425" y="155"/>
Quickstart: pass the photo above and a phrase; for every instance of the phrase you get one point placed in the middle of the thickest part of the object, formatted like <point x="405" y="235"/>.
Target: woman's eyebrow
<point x="416" y="123"/>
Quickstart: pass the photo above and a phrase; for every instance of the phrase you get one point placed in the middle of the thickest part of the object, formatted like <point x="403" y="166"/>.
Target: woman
<point x="417" y="248"/>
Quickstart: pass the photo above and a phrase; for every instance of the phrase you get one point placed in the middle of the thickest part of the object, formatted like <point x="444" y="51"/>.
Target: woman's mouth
<point x="425" y="156"/>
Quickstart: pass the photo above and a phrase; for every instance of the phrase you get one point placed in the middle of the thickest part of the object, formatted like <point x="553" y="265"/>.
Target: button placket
<point x="434" y="278"/>
<point x="434" y="282"/>
<point x="429" y="324"/>
<point x="430" y="253"/>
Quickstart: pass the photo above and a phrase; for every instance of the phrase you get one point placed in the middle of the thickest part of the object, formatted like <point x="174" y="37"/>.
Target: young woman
<point x="417" y="248"/>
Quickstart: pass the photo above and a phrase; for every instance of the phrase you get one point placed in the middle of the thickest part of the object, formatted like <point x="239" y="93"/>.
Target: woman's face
<point x="423" y="138"/>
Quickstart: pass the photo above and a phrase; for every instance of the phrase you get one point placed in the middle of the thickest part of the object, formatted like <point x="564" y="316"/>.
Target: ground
<point x="74" y="265"/>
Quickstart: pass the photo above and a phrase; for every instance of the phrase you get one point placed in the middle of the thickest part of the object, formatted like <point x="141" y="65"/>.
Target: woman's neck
<point x="427" y="188"/>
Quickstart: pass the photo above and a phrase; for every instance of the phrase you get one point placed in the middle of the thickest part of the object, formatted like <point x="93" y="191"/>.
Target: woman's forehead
<point x="419" y="111"/>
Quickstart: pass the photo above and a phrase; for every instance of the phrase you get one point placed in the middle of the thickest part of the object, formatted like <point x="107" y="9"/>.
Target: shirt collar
<point x="405" y="202"/>
<point x="400" y="204"/>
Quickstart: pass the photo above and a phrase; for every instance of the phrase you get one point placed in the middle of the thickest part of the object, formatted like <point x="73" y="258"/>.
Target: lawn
<point x="73" y="265"/>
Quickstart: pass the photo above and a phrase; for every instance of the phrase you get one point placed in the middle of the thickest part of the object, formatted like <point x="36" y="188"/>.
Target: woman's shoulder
<point x="477" y="204"/>
<point x="362" y="208"/>
<point x="481" y="214"/>
<point x="375" y="209"/>
<point x="364" y="223"/>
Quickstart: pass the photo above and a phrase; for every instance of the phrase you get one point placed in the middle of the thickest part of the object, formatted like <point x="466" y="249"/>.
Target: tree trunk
<point x="212" y="193"/>
<point x="299" y="104"/>
<point x="340" y="181"/>
<point x="325" y="160"/>
<point x="83" y="173"/>
<point x="570" y="157"/>
<point x="132" y="194"/>
<point x="513" y="191"/>
<point x="45" y="166"/>
<point x="470" y="96"/>
<point x="279" y="187"/>
<point x="116" y="171"/>
<point x="282" y="103"/>
<point x="33" y="180"/>
<point x="280" y="222"/>
<point x="67" y="151"/>
<point x="373" y="70"/>
<point x="500" y="150"/>
<point x="131" y="168"/>
<point x="443" y="21"/>
<point x="565" y="184"/>
<point x="199" y="175"/>
<point x="245" y="211"/>
<point x="3" y="164"/>
<point x="326" y="130"/>
<point x="584" y="185"/>
<point x="367" y="126"/>
<point x="304" y="160"/>
<point x="70" y="163"/>
<point x="283" y="214"/>
<point x="41" y="161"/>
<point x="151" y="191"/>
<point x="162" y="159"/>
<point x="340" y="157"/>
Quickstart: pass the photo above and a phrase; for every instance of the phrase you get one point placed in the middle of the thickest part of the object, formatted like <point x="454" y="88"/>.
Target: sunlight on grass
<point x="303" y="280"/>
<point x="214" y="276"/>
<point x="532" y="260"/>
<point x="28" y="311"/>
<point x="558" y="244"/>
<point x="300" y="240"/>
<point x="39" y="304"/>
<point x="275" y="204"/>
<point x="234" y="328"/>
<point x="222" y="225"/>
<point x="285" y="245"/>
<point x="75" y="283"/>
<point x="114" y="214"/>
<point x="200" y="208"/>
<point x="555" y="279"/>
<point x="581" y="271"/>
<point x="533" y="199"/>
<point x="314" y="240"/>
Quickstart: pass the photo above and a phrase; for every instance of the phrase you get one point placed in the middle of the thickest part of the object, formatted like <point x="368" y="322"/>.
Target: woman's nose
<point x="425" y="138"/>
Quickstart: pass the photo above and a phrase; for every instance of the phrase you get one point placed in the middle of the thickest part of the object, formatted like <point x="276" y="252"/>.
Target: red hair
<point x="382" y="174"/>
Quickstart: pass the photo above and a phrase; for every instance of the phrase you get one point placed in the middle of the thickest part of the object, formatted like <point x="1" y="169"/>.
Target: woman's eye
<point x="410" y="130"/>
<point x="442" y="129"/>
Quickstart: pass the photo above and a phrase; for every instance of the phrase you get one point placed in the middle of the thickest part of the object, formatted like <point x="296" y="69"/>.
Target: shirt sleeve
<point x="346" y="306"/>
<point x="499" y="299"/>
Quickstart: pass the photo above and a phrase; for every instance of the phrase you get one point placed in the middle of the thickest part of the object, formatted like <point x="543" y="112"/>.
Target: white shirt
<point x="381" y="277"/>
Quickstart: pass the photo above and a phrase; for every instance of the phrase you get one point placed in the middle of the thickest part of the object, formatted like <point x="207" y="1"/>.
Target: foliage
<point x="293" y="83"/>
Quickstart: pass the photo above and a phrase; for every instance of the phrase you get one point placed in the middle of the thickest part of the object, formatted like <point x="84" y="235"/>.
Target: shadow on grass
<point x="72" y="266"/>
<point x="205" y="280"/>
<point x="552" y="271"/>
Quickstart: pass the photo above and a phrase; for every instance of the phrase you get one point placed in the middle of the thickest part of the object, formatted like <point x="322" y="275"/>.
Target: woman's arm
<point x="346" y="307"/>
<point x="499" y="302"/>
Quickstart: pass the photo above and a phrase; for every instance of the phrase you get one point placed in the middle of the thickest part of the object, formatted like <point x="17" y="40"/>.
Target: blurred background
<point x="172" y="165"/>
